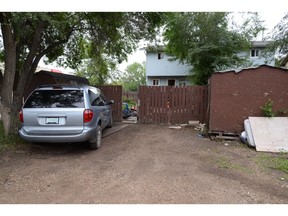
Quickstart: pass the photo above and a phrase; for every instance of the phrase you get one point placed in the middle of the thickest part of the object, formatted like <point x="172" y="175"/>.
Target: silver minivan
<point x="64" y="114"/>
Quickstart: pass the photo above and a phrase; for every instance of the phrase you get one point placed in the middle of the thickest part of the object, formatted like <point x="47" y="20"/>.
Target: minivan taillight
<point x="21" y="118"/>
<point x="87" y="115"/>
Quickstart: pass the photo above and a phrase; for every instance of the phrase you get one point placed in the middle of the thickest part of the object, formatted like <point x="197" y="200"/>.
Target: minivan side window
<point x="95" y="98"/>
<point x="92" y="97"/>
<point x="98" y="102"/>
<point x="104" y="99"/>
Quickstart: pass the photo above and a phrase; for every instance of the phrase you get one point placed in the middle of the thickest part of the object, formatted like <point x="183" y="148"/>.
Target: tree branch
<point x="1" y="79"/>
<point x="58" y="43"/>
<point x="35" y="44"/>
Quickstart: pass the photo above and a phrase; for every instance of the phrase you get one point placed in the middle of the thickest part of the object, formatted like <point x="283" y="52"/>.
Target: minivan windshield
<point x="55" y="99"/>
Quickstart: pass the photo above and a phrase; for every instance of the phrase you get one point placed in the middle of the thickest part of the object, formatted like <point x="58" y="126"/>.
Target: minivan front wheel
<point x="96" y="142"/>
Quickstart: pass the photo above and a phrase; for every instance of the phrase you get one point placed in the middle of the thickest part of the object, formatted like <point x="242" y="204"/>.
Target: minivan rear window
<point x="55" y="99"/>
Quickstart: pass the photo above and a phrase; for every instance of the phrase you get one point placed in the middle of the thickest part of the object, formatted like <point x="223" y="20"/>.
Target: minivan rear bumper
<point x="87" y="134"/>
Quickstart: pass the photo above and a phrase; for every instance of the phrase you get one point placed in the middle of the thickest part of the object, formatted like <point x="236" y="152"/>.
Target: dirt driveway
<point x="142" y="164"/>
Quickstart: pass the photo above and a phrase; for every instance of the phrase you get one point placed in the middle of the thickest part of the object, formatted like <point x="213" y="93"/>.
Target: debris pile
<point x="266" y="133"/>
<point x="197" y="126"/>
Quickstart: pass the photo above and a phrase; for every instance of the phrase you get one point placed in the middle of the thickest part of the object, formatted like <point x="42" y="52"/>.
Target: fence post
<point x="169" y="113"/>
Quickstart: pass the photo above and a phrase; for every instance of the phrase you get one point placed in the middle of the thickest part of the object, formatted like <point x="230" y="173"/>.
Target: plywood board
<point x="249" y="133"/>
<point x="270" y="134"/>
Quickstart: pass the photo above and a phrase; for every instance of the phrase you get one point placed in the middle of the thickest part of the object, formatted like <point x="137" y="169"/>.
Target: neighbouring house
<point x="235" y="95"/>
<point x="53" y="77"/>
<point x="160" y="71"/>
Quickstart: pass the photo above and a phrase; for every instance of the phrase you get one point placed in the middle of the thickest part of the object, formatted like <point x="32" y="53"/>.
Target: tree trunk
<point x="12" y="91"/>
<point x="14" y="114"/>
<point x="6" y="90"/>
<point x="25" y="76"/>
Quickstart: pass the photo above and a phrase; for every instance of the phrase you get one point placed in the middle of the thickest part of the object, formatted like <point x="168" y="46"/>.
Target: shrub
<point x="267" y="109"/>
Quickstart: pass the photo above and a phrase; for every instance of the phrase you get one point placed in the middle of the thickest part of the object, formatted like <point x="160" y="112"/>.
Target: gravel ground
<point x="142" y="164"/>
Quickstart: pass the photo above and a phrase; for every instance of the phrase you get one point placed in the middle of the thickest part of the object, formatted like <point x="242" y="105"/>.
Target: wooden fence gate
<point x="172" y="104"/>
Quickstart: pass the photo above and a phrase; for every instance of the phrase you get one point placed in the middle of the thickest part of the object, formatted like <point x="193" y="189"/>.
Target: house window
<point x="255" y="53"/>
<point x="160" y="55"/>
<point x="155" y="82"/>
<point x="171" y="82"/>
<point x="182" y="83"/>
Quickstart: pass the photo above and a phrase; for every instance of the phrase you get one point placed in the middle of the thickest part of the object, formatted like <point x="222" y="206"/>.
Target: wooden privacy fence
<point x="175" y="105"/>
<point x="112" y="92"/>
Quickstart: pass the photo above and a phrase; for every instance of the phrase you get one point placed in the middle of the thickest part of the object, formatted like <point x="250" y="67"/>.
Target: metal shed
<point x="235" y="95"/>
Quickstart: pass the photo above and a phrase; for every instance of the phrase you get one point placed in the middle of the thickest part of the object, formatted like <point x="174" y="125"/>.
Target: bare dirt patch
<point x="142" y="164"/>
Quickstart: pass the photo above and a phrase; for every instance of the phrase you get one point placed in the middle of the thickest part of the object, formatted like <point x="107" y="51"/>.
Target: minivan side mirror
<point x="111" y="102"/>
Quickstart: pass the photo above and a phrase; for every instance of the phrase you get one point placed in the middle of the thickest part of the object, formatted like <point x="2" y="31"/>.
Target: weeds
<point x="267" y="109"/>
<point x="226" y="163"/>
<point x="10" y="142"/>
<point x="278" y="162"/>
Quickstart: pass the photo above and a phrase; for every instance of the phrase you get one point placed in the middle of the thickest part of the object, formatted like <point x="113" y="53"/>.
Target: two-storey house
<point x="160" y="71"/>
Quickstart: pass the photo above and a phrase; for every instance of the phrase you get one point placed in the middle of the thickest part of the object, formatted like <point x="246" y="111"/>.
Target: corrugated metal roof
<point x="238" y="70"/>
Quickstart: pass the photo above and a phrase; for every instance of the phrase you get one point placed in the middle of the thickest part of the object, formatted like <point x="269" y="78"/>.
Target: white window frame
<point x="156" y="80"/>
<point x="256" y="53"/>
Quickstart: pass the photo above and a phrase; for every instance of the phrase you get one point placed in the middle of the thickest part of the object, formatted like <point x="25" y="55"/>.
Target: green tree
<point x="279" y="37"/>
<point x="134" y="76"/>
<point x="66" y="38"/>
<point x="96" y="72"/>
<point x="208" y="42"/>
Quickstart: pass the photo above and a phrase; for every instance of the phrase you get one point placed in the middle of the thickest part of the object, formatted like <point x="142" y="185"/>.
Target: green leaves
<point x="68" y="37"/>
<point x="280" y="37"/>
<point x="134" y="76"/>
<point x="206" y="42"/>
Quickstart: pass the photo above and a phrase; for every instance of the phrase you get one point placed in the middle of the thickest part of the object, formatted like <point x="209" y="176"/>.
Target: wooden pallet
<point x="223" y="135"/>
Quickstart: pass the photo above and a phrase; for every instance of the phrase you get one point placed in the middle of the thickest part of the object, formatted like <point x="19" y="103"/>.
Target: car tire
<point x="96" y="142"/>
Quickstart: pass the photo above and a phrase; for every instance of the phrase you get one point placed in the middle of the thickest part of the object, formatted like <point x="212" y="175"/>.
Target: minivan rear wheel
<point x="96" y="142"/>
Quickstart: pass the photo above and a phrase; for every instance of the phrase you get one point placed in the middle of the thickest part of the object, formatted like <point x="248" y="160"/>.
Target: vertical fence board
<point x="114" y="93"/>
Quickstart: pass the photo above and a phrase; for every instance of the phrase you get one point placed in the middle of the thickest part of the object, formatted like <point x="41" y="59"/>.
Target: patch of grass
<point x="278" y="161"/>
<point x="226" y="163"/>
<point x="10" y="142"/>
